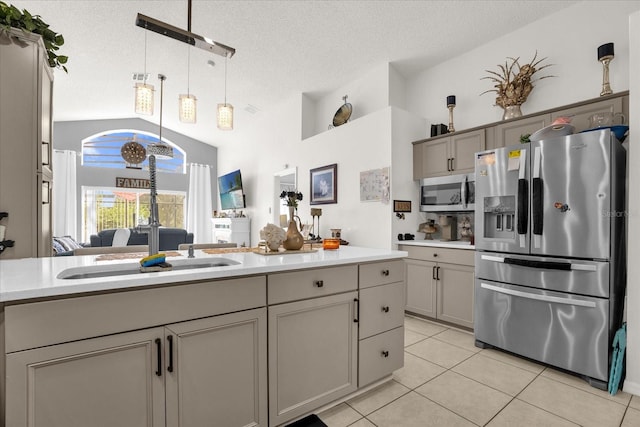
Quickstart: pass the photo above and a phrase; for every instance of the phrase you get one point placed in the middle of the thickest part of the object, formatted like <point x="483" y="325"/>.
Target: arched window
<point x="103" y="150"/>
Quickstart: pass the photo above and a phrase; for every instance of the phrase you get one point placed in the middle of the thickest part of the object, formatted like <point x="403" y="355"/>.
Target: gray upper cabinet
<point x="580" y="114"/>
<point x="455" y="153"/>
<point x="509" y="133"/>
<point x="446" y="156"/>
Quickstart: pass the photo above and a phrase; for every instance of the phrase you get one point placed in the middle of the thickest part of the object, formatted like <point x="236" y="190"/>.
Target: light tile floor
<point x="447" y="381"/>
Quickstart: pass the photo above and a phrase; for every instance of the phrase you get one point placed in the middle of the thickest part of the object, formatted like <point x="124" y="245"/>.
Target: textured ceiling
<point x="283" y="48"/>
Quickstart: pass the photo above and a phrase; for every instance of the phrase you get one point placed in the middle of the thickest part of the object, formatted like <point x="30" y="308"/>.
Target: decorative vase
<point x="294" y="239"/>
<point x="511" y="112"/>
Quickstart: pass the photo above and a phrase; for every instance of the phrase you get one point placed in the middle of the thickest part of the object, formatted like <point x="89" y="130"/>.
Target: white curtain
<point x="64" y="193"/>
<point x="199" y="203"/>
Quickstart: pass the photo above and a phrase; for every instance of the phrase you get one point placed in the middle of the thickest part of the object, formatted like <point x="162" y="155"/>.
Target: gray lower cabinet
<point x="205" y="372"/>
<point x="441" y="289"/>
<point x="216" y="371"/>
<point x="100" y="382"/>
<point x="312" y="354"/>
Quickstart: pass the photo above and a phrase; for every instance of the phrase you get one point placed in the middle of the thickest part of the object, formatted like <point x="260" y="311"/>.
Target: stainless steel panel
<point x="497" y="203"/>
<point x="575" y="173"/>
<point x="566" y="331"/>
<point x="583" y="278"/>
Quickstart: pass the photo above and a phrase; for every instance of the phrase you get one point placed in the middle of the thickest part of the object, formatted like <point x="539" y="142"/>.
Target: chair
<point x="110" y="250"/>
<point x="185" y="246"/>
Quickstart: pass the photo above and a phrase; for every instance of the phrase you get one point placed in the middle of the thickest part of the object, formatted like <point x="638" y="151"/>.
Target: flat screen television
<point x="230" y="188"/>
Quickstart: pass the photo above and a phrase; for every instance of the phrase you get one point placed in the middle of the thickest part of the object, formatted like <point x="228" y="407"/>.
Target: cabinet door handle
<point x="159" y="352"/>
<point x="433" y="273"/>
<point x="453" y="164"/>
<point x="437" y="273"/>
<point x="384" y="353"/>
<point x="318" y="283"/>
<point x="385" y="309"/>
<point x="356" y="304"/>
<point x="448" y="165"/>
<point x="385" y="272"/>
<point x="170" y="340"/>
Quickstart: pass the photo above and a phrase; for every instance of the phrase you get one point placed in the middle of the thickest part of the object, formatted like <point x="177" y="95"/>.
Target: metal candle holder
<point x="316" y="212"/>
<point x="605" y="55"/>
<point x="451" y="103"/>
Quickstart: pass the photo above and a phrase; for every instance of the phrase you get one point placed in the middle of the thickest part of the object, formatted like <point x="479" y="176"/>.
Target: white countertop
<point x="455" y="244"/>
<point x="29" y="278"/>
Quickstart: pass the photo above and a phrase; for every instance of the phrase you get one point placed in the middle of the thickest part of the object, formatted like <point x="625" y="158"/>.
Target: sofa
<point x="170" y="238"/>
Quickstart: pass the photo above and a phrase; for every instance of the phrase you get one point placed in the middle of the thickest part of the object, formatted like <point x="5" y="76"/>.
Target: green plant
<point x="525" y="138"/>
<point x="12" y="17"/>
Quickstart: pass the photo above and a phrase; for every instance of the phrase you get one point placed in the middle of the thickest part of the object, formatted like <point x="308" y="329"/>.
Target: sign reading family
<point x="132" y="182"/>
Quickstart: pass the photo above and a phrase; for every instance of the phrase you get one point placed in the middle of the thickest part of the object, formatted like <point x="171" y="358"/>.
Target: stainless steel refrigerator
<point x="550" y="250"/>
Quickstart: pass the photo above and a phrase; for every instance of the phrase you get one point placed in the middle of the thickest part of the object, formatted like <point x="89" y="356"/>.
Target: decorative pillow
<point x="67" y="242"/>
<point x="57" y="247"/>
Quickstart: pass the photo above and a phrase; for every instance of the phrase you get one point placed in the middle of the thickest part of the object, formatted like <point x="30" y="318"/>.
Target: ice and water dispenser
<point x="499" y="217"/>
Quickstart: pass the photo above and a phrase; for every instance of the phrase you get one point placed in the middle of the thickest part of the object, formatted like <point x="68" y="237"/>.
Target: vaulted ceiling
<point x="283" y="48"/>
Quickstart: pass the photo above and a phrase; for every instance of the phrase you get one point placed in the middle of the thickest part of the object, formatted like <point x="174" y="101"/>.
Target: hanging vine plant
<point x="12" y="17"/>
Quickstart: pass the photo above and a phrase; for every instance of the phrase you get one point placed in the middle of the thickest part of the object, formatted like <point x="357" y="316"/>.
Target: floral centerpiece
<point x="291" y="198"/>
<point x="513" y="88"/>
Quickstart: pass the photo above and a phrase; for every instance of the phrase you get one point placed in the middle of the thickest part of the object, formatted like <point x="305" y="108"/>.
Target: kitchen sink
<point x="97" y="271"/>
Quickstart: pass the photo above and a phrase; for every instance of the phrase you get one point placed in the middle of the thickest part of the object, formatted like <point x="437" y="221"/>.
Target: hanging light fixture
<point x="187" y="103"/>
<point x="225" y="111"/>
<point x="144" y="91"/>
<point x="160" y="149"/>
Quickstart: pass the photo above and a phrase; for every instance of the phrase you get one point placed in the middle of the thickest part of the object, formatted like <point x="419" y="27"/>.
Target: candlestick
<point x="605" y="55"/>
<point x="451" y="100"/>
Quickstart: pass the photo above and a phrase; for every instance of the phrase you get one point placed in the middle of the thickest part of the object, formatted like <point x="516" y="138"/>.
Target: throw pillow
<point x="68" y="243"/>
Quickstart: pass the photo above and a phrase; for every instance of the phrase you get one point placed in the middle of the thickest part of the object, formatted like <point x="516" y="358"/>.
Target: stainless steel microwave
<point x="448" y="193"/>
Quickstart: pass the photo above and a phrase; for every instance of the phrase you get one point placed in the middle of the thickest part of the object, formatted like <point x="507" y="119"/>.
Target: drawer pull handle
<point x="385" y="353"/>
<point x="435" y="255"/>
<point x="318" y="283"/>
<point x="385" y="308"/>
<point x="385" y="272"/>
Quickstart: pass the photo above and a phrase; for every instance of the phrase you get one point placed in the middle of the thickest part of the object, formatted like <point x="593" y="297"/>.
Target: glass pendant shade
<point x="144" y="99"/>
<point x="187" y="108"/>
<point x="225" y="116"/>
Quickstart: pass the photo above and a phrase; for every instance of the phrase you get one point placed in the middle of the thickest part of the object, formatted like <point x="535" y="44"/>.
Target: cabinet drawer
<point x="51" y="322"/>
<point x="451" y="256"/>
<point x="319" y="282"/>
<point x="381" y="309"/>
<point x="381" y="273"/>
<point x="380" y="355"/>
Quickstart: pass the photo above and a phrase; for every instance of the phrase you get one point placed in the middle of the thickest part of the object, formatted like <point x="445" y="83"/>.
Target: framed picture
<point x="402" y="205"/>
<point x="324" y="185"/>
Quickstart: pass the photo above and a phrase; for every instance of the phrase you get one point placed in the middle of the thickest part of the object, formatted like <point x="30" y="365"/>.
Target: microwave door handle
<point x="463" y="192"/>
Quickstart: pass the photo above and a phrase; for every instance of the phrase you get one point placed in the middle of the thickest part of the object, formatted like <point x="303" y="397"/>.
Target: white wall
<point x="632" y="381"/>
<point x="568" y="38"/>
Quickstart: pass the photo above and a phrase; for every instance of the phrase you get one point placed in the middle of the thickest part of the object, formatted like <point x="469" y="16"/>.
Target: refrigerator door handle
<point x="550" y="265"/>
<point x="545" y="298"/>
<point x="523" y="205"/>
<point x="537" y="196"/>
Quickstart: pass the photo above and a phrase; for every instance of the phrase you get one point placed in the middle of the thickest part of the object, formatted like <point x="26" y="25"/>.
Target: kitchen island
<point x="259" y="340"/>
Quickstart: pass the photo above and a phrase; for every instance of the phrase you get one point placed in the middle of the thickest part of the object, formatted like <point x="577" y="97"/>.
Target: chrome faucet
<point x="163" y="150"/>
<point x="153" y="228"/>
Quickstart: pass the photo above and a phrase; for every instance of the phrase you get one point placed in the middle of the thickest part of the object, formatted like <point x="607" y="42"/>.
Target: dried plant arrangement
<point x="514" y="88"/>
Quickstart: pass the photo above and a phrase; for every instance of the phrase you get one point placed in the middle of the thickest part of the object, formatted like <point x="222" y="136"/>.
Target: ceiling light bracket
<point x="183" y="36"/>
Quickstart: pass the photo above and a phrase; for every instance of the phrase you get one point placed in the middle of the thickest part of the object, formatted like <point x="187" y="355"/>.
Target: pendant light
<point x="187" y="103"/>
<point x="144" y="91"/>
<point x="225" y="111"/>
<point x="160" y="149"/>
